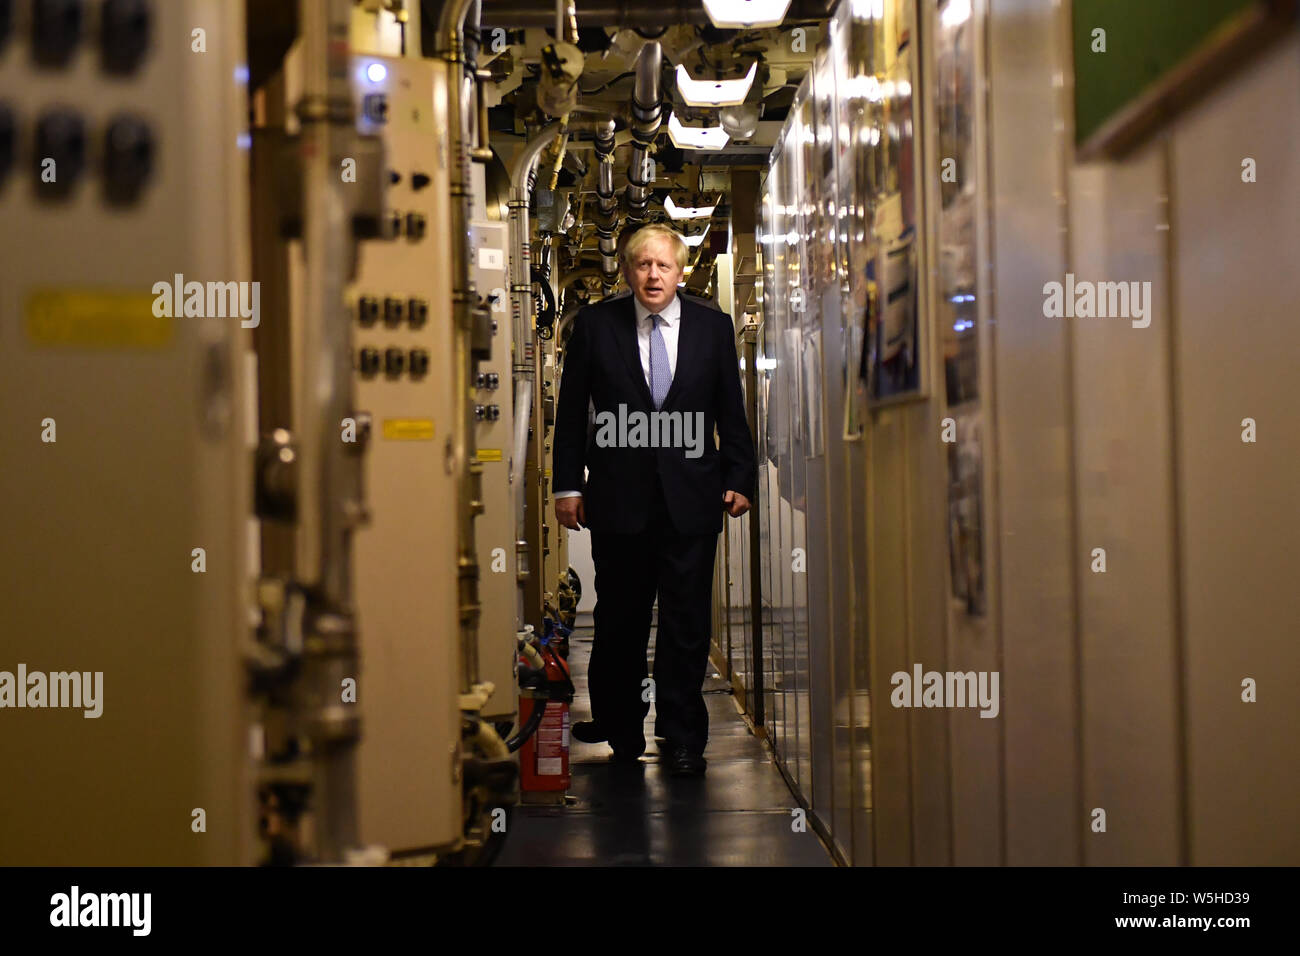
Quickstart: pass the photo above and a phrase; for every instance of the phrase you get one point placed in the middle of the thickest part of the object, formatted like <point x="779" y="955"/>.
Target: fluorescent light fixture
<point x="687" y="212"/>
<point x="693" y="241"/>
<point x="714" y="92"/>
<point x="955" y="13"/>
<point x="696" y="137"/>
<point x="734" y="14"/>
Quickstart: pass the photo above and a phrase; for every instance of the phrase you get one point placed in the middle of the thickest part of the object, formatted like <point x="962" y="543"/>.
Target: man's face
<point x="653" y="273"/>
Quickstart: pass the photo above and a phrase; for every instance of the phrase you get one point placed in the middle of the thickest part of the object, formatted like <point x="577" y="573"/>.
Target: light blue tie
<point x="661" y="376"/>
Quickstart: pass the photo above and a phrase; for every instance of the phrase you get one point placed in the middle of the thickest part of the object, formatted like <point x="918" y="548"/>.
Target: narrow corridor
<point x="738" y="814"/>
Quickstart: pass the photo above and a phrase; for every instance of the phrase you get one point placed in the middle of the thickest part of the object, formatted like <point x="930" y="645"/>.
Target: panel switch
<point x="7" y="139"/>
<point x="124" y="27"/>
<point x="128" y="159"/>
<point x="368" y="310"/>
<point x="60" y="152"/>
<point x="417" y="312"/>
<point x="56" y="31"/>
<point x="394" y="312"/>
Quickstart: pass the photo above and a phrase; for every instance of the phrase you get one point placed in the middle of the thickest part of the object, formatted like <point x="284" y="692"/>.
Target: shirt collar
<point x="671" y="313"/>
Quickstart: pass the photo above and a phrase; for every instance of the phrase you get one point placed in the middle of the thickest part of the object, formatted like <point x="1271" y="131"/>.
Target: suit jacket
<point x="602" y="365"/>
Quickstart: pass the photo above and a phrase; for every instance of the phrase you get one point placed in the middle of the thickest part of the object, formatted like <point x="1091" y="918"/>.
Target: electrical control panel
<point x="406" y="553"/>
<point x="494" y="427"/>
<point x="127" y="557"/>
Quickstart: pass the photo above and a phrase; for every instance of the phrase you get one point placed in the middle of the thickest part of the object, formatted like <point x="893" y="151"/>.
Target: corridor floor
<point x="738" y="814"/>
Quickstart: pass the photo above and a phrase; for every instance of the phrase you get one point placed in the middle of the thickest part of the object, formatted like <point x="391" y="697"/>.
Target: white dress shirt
<point x="669" y="328"/>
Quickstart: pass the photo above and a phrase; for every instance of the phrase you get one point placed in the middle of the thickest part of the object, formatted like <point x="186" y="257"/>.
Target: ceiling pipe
<point x="623" y="13"/>
<point x="646" y="117"/>
<point x="607" y="215"/>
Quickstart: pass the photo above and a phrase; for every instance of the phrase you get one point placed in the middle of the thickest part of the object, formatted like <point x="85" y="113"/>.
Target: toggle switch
<point x="368" y="362"/>
<point x="375" y="107"/>
<point x="394" y="312"/>
<point x="128" y="159"/>
<point x="61" y="137"/>
<point x="368" y="310"/>
<point x="7" y="139"/>
<point x="124" y="27"/>
<point x="394" y="362"/>
<point x="414" y="225"/>
<point x="56" y="31"/>
<point x="417" y="312"/>
<point x="419" y="363"/>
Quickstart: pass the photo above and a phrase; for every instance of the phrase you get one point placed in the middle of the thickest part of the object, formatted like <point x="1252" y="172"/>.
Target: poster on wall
<point x="956" y="308"/>
<point x="1138" y="65"/>
<point x="891" y="364"/>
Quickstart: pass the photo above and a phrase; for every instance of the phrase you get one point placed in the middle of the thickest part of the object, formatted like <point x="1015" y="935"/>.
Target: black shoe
<point x="589" y="732"/>
<point x="684" y="762"/>
<point x="627" y="754"/>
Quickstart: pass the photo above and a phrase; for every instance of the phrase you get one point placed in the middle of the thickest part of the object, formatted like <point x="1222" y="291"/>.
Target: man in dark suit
<point x="661" y="371"/>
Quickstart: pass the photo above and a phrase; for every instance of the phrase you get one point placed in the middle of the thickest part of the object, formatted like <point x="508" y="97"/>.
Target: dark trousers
<point x="631" y="569"/>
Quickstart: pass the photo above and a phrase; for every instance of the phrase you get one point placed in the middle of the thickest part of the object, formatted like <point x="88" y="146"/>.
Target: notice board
<point x="1160" y="56"/>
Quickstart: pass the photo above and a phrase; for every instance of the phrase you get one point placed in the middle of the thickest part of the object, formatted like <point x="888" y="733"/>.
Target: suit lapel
<point x="625" y="327"/>
<point x="687" y="351"/>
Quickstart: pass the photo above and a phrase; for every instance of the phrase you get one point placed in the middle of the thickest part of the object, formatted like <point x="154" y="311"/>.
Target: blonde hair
<point x="637" y="241"/>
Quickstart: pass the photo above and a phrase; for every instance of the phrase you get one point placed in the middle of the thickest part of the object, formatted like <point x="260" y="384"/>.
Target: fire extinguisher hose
<point x="530" y="725"/>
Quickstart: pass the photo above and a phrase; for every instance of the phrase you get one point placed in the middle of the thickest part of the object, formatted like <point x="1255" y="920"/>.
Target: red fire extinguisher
<point x="544" y="758"/>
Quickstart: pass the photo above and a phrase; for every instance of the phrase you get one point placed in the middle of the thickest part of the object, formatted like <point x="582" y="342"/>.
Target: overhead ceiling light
<point x="955" y="13"/>
<point x="740" y="122"/>
<point x="696" y="137"/>
<point x="693" y="241"/>
<point x="734" y="14"/>
<point x="714" y="92"/>
<point x="687" y="212"/>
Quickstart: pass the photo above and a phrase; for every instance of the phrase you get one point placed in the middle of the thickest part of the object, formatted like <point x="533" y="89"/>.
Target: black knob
<point x="367" y="310"/>
<point x="394" y="310"/>
<point x="394" y="362"/>
<point x="128" y="158"/>
<point x="124" y="27"/>
<point x="56" y="31"/>
<point x="7" y="136"/>
<point x="6" y="22"/>
<point x="418" y="312"/>
<point x="375" y="107"/>
<point x="419" y="181"/>
<point x="60" y="152"/>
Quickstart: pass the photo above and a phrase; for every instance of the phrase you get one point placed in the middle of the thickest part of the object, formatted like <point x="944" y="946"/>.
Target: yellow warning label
<point x="95" y="319"/>
<point x="408" y="429"/>
<point x="489" y="454"/>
